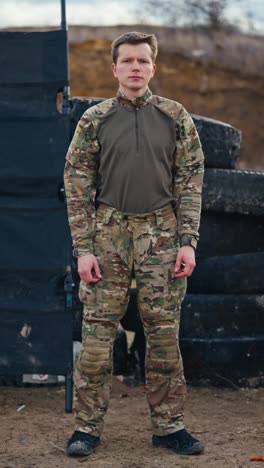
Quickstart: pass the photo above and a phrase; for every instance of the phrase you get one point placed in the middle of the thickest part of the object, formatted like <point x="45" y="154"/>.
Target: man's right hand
<point x="88" y="269"/>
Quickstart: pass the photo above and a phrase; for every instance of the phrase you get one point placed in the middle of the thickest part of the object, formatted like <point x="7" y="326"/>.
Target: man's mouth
<point x="135" y="77"/>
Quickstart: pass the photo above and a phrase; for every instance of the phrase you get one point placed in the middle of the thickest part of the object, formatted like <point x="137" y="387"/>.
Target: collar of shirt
<point x="137" y="102"/>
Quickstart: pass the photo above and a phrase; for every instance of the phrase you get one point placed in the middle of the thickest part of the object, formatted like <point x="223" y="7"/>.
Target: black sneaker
<point x="181" y="442"/>
<point x="81" y="443"/>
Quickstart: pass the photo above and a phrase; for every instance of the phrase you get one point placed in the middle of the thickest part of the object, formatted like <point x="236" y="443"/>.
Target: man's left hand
<point x="185" y="262"/>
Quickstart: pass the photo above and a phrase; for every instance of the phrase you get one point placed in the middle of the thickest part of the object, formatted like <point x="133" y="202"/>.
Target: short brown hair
<point x="135" y="37"/>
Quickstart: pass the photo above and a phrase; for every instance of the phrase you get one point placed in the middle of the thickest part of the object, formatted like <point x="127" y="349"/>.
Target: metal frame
<point x="66" y="89"/>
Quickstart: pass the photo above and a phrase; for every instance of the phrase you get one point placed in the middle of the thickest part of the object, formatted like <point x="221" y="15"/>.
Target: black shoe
<point x="181" y="442"/>
<point x="81" y="443"/>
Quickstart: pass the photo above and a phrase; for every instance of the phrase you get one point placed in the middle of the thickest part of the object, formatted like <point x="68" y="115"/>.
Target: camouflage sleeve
<point x="80" y="177"/>
<point x="188" y="180"/>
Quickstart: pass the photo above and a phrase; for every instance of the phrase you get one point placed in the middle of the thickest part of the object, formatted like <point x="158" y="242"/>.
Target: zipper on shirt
<point x="137" y="137"/>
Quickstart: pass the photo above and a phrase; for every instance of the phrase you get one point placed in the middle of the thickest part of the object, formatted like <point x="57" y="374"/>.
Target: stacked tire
<point x="222" y="326"/>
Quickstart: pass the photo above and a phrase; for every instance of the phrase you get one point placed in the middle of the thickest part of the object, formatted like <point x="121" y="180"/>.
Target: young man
<point x="139" y="157"/>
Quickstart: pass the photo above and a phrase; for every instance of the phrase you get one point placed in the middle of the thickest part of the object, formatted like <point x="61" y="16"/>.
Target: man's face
<point x="134" y="68"/>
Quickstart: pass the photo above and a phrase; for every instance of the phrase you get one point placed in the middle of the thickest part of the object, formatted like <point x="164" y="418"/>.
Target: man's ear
<point x="154" y="69"/>
<point x="113" y="66"/>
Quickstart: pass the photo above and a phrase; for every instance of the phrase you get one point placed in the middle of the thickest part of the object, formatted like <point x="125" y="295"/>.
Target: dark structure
<point x="35" y="278"/>
<point x="223" y="313"/>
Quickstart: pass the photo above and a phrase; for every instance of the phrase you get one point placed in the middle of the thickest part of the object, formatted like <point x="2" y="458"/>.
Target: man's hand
<point x="88" y="268"/>
<point x="185" y="262"/>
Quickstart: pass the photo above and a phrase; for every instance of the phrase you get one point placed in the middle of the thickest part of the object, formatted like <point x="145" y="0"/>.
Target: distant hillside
<point x="229" y="49"/>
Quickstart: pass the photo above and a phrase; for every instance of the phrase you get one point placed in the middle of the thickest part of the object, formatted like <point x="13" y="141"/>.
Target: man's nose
<point x="135" y="65"/>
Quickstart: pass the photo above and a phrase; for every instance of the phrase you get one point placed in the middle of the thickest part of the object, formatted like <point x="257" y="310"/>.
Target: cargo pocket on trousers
<point x="91" y="295"/>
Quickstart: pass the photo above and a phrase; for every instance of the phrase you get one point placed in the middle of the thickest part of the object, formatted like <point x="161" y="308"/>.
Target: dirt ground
<point x="230" y="422"/>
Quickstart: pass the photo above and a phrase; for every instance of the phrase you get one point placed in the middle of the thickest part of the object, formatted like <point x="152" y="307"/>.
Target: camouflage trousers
<point x="149" y="242"/>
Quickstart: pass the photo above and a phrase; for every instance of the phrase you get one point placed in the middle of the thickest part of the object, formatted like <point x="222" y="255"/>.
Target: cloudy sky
<point x="107" y="12"/>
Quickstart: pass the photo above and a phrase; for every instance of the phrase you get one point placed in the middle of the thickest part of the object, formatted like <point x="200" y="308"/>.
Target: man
<point x="139" y="157"/>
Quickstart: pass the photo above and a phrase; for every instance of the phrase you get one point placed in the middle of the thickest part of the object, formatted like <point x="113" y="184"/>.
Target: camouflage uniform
<point x="150" y="241"/>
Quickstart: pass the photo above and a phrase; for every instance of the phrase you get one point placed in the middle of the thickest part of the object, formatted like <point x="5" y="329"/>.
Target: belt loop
<point x="107" y="215"/>
<point x="159" y="217"/>
<point x="118" y="215"/>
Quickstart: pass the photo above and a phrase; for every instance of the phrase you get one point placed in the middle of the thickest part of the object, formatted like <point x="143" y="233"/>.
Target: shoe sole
<point x="79" y="450"/>
<point x="195" y="450"/>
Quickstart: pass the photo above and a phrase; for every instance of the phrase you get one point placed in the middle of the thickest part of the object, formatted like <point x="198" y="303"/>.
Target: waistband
<point x="157" y="216"/>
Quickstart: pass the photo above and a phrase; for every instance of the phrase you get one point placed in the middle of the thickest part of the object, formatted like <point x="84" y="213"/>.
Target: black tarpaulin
<point x="33" y="57"/>
<point x="33" y="149"/>
<point x="35" y="325"/>
<point x="35" y="343"/>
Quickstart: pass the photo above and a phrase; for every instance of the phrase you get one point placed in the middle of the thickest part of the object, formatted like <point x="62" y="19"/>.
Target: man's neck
<point x="130" y="94"/>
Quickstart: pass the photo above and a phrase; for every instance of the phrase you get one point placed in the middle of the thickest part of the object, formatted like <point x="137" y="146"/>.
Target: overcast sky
<point x="105" y="12"/>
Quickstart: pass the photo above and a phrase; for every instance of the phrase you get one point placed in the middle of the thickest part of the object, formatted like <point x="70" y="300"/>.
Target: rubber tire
<point x="226" y="362"/>
<point x="230" y="234"/>
<point x="220" y="142"/>
<point x="222" y="315"/>
<point x="235" y="274"/>
<point x="120" y="354"/>
<point x="233" y="191"/>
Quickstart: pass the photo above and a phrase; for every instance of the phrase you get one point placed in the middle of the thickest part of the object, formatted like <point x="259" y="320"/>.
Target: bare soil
<point x="230" y="422"/>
